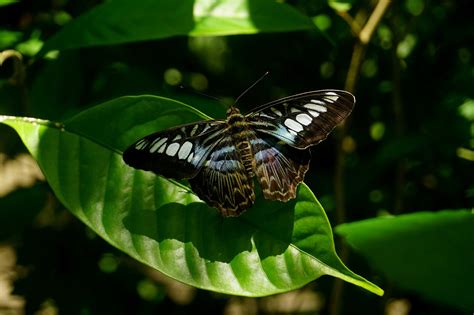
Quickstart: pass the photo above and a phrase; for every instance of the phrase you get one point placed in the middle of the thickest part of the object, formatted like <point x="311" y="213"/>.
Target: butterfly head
<point x="233" y="111"/>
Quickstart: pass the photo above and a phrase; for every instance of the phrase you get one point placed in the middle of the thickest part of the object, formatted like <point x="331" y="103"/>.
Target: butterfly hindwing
<point x="305" y="119"/>
<point x="223" y="182"/>
<point x="177" y="152"/>
<point x="279" y="167"/>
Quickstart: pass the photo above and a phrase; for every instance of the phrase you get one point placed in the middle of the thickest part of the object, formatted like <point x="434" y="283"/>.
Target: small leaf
<point x="425" y="252"/>
<point x="274" y="247"/>
<point x="341" y="5"/>
<point x="7" y="2"/>
<point x="122" y="21"/>
<point x="8" y="38"/>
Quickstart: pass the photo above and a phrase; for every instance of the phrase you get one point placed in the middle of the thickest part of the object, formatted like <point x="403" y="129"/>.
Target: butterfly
<point x="220" y="158"/>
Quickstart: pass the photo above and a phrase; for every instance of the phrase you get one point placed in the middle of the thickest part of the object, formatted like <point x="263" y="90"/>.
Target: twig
<point x="363" y="38"/>
<point x="18" y="76"/>
<point x="374" y="20"/>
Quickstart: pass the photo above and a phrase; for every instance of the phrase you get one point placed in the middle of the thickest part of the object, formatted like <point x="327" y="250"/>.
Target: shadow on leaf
<point x="267" y="228"/>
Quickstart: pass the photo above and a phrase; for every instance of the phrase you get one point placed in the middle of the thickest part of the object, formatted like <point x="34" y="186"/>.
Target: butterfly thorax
<point x="241" y="134"/>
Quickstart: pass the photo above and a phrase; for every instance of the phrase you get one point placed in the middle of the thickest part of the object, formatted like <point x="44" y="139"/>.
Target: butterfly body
<point x="242" y="135"/>
<point x="220" y="158"/>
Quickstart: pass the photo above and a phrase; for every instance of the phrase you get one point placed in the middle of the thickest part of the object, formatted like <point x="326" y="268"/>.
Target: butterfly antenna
<point x="201" y="94"/>
<point x="246" y="90"/>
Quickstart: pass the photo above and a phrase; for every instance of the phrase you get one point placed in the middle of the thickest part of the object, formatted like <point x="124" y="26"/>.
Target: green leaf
<point x="122" y="21"/>
<point x="274" y="247"/>
<point x="8" y="38"/>
<point x="341" y="5"/>
<point x="425" y="252"/>
<point x="7" y="2"/>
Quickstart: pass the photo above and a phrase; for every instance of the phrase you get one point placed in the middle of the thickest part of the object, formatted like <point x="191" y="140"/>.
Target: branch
<point x="374" y="20"/>
<point x="363" y="38"/>
<point x="18" y="76"/>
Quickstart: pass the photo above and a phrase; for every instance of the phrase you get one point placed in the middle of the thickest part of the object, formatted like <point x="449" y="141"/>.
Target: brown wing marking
<point x="279" y="167"/>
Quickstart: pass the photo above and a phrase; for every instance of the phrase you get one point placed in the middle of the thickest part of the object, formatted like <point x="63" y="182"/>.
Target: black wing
<point x="303" y="120"/>
<point x="223" y="182"/>
<point x="178" y="152"/>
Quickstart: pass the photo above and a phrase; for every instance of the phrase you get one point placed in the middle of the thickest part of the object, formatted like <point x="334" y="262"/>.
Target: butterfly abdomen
<point x="241" y="136"/>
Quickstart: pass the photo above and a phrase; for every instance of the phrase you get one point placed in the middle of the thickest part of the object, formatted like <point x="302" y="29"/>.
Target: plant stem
<point x="360" y="47"/>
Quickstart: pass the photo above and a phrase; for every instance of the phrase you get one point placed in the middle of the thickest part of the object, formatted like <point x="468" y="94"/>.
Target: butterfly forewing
<point x="223" y="182"/>
<point x="178" y="152"/>
<point x="305" y="119"/>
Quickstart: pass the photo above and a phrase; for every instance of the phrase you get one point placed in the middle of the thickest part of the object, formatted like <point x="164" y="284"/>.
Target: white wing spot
<point x="295" y="110"/>
<point x="332" y="96"/>
<point x="313" y="113"/>
<point x="194" y="129"/>
<point x="141" y="144"/>
<point x="157" y="144"/>
<point x="290" y="123"/>
<point x="155" y="141"/>
<point x="176" y="138"/>
<point x="184" y="150"/>
<point x="318" y="102"/>
<point x="276" y="111"/>
<point x="172" y="149"/>
<point x="190" y="157"/>
<point x="316" y="107"/>
<point x="304" y="119"/>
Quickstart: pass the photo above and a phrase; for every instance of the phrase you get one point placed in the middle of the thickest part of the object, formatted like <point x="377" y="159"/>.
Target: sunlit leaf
<point x="8" y="38"/>
<point x="274" y="247"/>
<point x="7" y="2"/>
<point x="341" y="5"/>
<point x="122" y="21"/>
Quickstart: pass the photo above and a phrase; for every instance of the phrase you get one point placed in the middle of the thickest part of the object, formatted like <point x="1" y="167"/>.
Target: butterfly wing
<point x="178" y="152"/>
<point x="223" y="182"/>
<point x="279" y="167"/>
<point x="305" y="119"/>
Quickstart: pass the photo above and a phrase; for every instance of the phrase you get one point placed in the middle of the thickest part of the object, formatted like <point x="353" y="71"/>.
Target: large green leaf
<point x="425" y="252"/>
<point x="274" y="247"/>
<point x="123" y="21"/>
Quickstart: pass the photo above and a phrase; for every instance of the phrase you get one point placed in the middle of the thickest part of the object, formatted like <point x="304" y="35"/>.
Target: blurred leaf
<point x="377" y="130"/>
<point x="405" y="47"/>
<point x="415" y="7"/>
<point x="429" y="253"/>
<point x="31" y="46"/>
<point x="62" y="17"/>
<point x="341" y="5"/>
<point x="322" y="22"/>
<point x="7" y="2"/>
<point x="467" y="109"/>
<point x="122" y="21"/>
<point x="8" y="38"/>
<point x="274" y="247"/>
